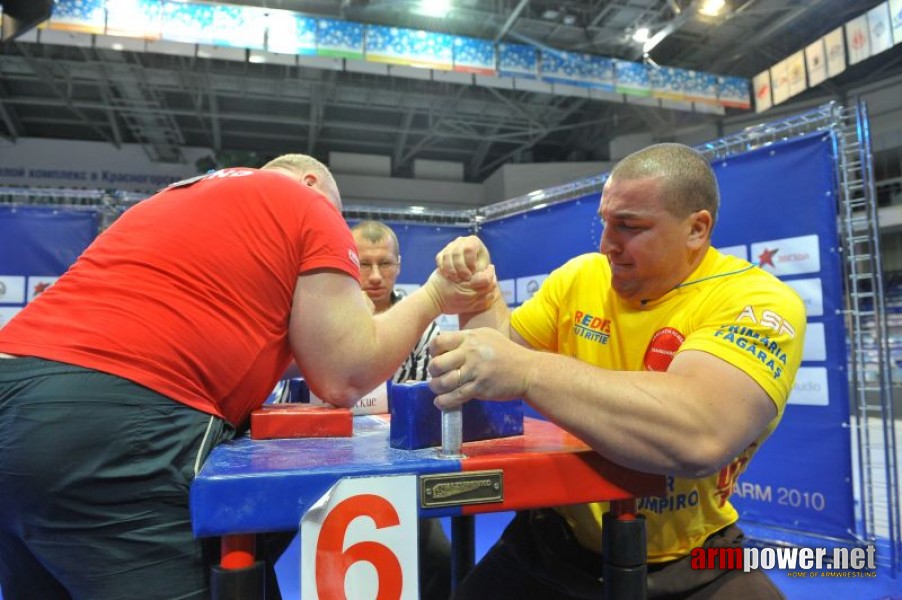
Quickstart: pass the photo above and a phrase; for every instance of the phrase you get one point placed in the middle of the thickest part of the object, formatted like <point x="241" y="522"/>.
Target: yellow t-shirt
<point x="728" y="308"/>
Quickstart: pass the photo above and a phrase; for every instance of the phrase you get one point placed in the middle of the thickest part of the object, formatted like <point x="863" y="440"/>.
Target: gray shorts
<point x="95" y="472"/>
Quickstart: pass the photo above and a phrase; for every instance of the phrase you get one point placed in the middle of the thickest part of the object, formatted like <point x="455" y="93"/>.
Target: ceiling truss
<point x="168" y="102"/>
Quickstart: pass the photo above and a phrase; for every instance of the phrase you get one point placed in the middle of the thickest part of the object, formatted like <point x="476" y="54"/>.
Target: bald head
<point x="310" y="172"/>
<point x="686" y="177"/>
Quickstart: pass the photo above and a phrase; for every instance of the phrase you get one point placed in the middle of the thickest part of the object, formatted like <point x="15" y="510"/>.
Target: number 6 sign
<point x="358" y="542"/>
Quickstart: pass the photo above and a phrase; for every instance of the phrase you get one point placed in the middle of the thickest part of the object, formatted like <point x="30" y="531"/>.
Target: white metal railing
<point x="870" y="373"/>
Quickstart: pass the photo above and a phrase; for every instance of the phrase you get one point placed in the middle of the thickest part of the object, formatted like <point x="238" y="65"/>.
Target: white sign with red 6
<point x="358" y="542"/>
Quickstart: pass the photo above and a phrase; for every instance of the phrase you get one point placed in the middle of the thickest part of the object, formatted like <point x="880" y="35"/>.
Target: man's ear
<point x="310" y="180"/>
<point x="700" y="228"/>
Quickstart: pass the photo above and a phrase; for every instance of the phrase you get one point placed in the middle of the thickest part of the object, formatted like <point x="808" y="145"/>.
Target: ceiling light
<point x="417" y="209"/>
<point x="550" y="15"/>
<point x="640" y="36"/>
<point x="712" y="8"/>
<point x="538" y="206"/>
<point x="535" y="194"/>
<point x="434" y="8"/>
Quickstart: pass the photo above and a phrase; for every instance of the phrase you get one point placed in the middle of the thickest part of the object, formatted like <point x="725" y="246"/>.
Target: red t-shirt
<point x="189" y="292"/>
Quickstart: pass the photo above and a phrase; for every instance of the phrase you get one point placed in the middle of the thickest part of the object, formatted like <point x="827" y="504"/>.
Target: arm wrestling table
<point x="248" y="487"/>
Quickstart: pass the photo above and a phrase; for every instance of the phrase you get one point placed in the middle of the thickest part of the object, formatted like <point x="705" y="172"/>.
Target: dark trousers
<point x="538" y="558"/>
<point x="94" y="478"/>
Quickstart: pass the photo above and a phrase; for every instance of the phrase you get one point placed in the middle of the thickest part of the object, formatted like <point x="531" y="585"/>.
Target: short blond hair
<point x="376" y="231"/>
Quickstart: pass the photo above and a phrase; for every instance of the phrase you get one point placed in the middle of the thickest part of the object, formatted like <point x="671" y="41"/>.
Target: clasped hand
<point x="456" y="297"/>
<point x="464" y="259"/>
<point x="478" y="363"/>
<point x="464" y="279"/>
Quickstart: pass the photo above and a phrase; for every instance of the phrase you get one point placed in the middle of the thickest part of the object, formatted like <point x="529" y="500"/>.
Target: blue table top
<point x="254" y="486"/>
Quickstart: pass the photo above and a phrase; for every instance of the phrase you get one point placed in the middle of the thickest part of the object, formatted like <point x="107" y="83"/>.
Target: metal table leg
<point x="239" y="575"/>
<point x="625" y="552"/>
<point x="463" y="545"/>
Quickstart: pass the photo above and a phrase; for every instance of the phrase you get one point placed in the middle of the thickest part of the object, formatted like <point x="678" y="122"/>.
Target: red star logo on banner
<point x="767" y="257"/>
<point x="40" y="287"/>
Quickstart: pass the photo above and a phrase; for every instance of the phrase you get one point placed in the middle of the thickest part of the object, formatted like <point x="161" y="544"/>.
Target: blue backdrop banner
<point x="419" y="245"/>
<point x="37" y="245"/>
<point x="528" y="246"/>
<point x="779" y="205"/>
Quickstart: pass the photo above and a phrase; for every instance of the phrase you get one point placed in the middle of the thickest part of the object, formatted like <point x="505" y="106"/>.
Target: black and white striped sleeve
<point x="414" y="368"/>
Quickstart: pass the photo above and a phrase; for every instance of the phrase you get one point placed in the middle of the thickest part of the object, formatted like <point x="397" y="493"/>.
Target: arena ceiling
<point x="244" y="111"/>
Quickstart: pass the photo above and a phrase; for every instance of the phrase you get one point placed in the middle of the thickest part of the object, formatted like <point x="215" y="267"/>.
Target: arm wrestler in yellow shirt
<point x="660" y="352"/>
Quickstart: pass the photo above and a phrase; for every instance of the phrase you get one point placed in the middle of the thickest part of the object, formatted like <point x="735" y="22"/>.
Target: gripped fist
<point x="477" y="363"/>
<point x="456" y="297"/>
<point x="463" y="259"/>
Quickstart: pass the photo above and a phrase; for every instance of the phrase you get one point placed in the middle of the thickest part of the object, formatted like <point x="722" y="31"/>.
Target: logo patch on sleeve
<point x="662" y="348"/>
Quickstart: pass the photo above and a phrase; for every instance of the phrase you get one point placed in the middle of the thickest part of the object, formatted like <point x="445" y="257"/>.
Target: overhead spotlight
<point x="417" y="209"/>
<point x="640" y="36"/>
<point x="712" y="8"/>
<point x="434" y="8"/>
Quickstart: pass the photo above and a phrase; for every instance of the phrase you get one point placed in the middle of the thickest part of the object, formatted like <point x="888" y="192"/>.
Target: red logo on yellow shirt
<point x="662" y="348"/>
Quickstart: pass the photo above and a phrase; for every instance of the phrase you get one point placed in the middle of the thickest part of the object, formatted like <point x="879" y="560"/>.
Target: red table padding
<point x="301" y="421"/>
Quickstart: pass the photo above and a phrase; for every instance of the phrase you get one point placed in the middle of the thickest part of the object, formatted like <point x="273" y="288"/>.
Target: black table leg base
<point x="625" y="583"/>
<point x="248" y="583"/>
<point x="625" y="558"/>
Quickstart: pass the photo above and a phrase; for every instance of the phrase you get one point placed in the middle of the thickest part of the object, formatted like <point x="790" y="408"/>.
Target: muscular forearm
<point x="380" y="346"/>
<point x="653" y="422"/>
<point x="335" y="336"/>
<point x="392" y="326"/>
<point x="340" y="347"/>
<point x="496" y="317"/>
<point x="688" y="421"/>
